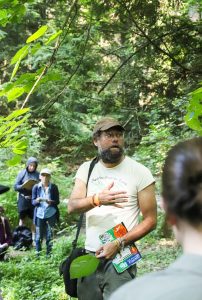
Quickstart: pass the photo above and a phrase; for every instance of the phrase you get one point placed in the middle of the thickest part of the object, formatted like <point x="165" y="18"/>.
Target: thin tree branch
<point x="149" y="39"/>
<point x="34" y="86"/>
<point x="120" y="66"/>
<point x="131" y="55"/>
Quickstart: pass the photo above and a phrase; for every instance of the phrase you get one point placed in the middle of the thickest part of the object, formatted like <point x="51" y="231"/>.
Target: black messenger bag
<point x="64" y="268"/>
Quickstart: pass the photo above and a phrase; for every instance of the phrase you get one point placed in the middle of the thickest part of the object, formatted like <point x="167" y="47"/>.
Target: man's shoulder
<point x="85" y="164"/>
<point x="131" y="161"/>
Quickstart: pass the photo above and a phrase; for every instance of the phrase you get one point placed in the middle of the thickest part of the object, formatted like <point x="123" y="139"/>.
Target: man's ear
<point x="95" y="142"/>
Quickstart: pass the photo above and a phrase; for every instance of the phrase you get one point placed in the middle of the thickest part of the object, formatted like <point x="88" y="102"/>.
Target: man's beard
<point x="110" y="156"/>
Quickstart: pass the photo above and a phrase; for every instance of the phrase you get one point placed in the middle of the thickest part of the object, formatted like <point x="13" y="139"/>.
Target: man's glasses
<point x="112" y="134"/>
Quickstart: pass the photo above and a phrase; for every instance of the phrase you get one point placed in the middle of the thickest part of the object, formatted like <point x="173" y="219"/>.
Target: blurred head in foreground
<point x="182" y="186"/>
<point x="182" y="199"/>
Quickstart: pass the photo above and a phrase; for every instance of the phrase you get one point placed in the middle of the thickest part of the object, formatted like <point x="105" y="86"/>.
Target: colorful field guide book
<point x="127" y="256"/>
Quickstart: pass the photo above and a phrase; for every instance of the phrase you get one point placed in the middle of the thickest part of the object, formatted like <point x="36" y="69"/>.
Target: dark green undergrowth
<point x="157" y="254"/>
<point x="23" y="276"/>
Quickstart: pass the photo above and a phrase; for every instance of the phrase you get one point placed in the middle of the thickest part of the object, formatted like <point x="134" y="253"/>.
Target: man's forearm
<point x="80" y="205"/>
<point x="140" y="230"/>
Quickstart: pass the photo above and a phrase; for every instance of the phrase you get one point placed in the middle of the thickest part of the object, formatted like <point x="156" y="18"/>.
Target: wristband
<point x="96" y="201"/>
<point x="92" y="201"/>
<point x="117" y="243"/>
<point x="121" y="243"/>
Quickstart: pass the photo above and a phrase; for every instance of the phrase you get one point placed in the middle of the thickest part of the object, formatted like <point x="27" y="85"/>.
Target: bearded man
<point x="118" y="190"/>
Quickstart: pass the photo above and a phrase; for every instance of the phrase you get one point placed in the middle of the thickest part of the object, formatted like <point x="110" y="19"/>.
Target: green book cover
<point x="127" y="256"/>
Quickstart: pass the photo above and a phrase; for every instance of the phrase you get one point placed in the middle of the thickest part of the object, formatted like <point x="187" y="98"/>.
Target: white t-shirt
<point x="129" y="176"/>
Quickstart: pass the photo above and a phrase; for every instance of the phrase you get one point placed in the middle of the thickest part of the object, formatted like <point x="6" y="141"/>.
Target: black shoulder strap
<point x="92" y="164"/>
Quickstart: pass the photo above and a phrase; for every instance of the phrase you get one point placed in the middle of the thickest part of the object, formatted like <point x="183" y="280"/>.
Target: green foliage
<point x="157" y="255"/>
<point x="154" y="146"/>
<point x="193" y="117"/>
<point x="27" y="278"/>
<point x="83" y="266"/>
<point x="24" y="276"/>
<point x="152" y="149"/>
<point x="12" y="134"/>
<point x="11" y="11"/>
<point x="61" y="176"/>
<point x="15" y="137"/>
<point x="135" y="60"/>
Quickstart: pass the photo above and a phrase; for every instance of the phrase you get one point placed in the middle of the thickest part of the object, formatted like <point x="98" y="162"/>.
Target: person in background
<point x="5" y="234"/>
<point x="119" y="188"/>
<point x="182" y="200"/>
<point x="45" y="198"/>
<point x="25" y="207"/>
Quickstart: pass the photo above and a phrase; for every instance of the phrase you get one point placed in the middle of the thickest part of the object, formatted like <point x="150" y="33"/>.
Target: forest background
<point x="64" y="64"/>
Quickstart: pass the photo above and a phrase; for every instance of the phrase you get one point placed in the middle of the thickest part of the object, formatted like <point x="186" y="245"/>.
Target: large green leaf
<point x="83" y="266"/>
<point x="17" y="59"/>
<point x="24" y="78"/>
<point x="16" y="113"/>
<point x="20" y="54"/>
<point x="15" y="69"/>
<point x="37" y="34"/>
<point x="197" y="91"/>
<point x="16" y="92"/>
<point x="17" y="136"/>
<point x="22" y="144"/>
<point x="16" y="159"/>
<point x="193" y="117"/>
<point x="13" y="125"/>
<point x="53" y="37"/>
<point x="19" y="151"/>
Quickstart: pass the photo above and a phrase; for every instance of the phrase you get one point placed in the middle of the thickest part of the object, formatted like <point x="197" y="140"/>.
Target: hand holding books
<point x="107" y="251"/>
<point x="113" y="240"/>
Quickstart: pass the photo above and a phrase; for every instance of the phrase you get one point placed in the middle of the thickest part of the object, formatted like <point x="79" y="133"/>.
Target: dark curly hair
<point x="182" y="180"/>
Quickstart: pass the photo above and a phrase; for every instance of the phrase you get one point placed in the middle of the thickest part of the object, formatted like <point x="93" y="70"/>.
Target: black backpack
<point x="22" y="238"/>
